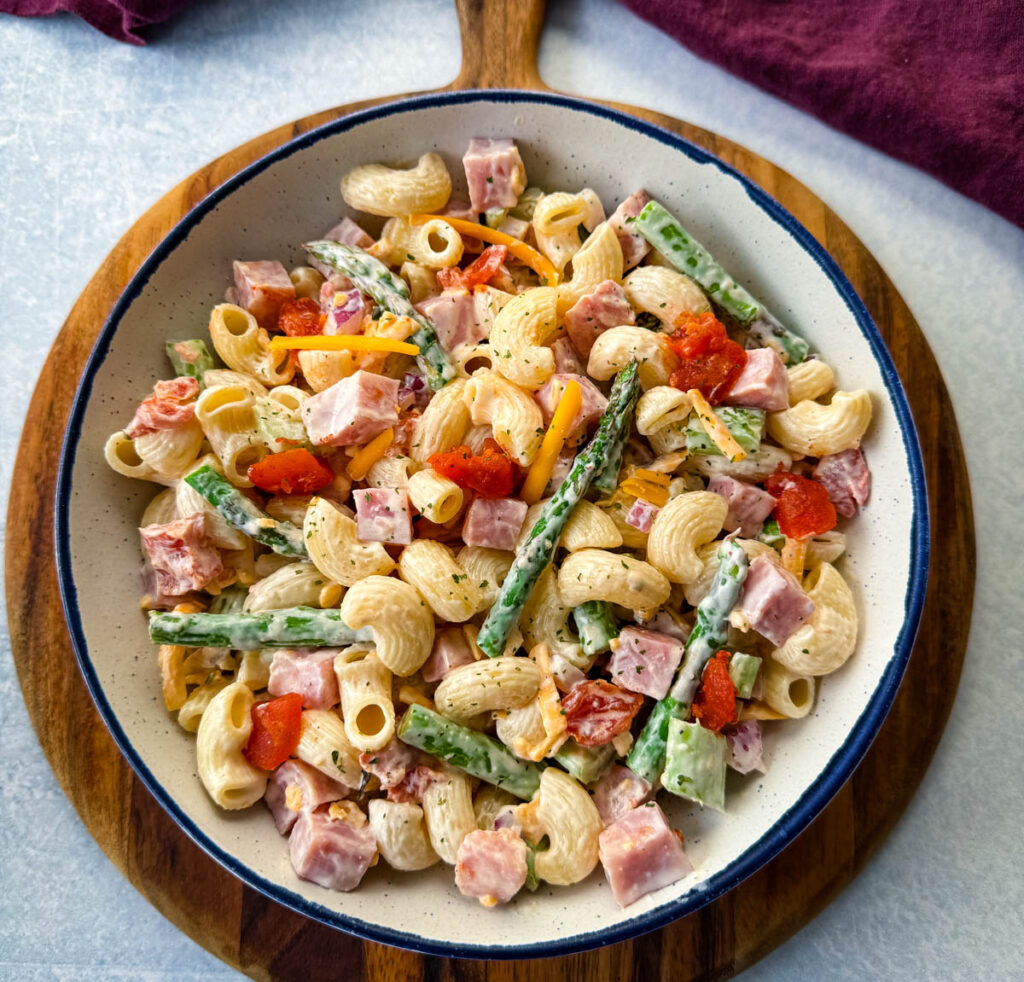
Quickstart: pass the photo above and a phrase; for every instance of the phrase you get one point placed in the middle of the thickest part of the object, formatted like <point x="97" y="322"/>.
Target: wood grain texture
<point x="269" y="942"/>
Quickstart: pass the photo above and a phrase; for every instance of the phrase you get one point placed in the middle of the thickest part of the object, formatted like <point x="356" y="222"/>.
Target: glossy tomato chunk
<point x="491" y="474"/>
<point x="714" y="705"/>
<point x="597" y="711"/>
<point x="276" y="728"/>
<point x="292" y="472"/>
<point x="709" y="359"/>
<point x="803" y="508"/>
<point x="300" y="318"/>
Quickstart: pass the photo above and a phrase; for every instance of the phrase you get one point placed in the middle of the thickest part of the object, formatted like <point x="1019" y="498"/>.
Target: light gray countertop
<point x="93" y="132"/>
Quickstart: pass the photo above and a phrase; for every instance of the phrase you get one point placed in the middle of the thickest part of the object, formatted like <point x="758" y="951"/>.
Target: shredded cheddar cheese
<point x="343" y="342"/>
<point x="561" y="423"/>
<point x="716" y="429"/>
<point x="653" y="493"/>
<point x="794" y="556"/>
<point x="359" y="466"/>
<point x="412" y="696"/>
<point x="654" y="477"/>
<point x="555" y="728"/>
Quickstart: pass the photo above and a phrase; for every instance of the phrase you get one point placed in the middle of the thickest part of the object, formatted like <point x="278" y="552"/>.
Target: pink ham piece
<point x="641" y="515"/>
<point x="641" y="853"/>
<point x="645" y="661"/>
<point x="180" y="555"/>
<point x="749" y="506"/>
<point x="846" y="478"/>
<point x="592" y="405"/>
<point x="383" y="515"/>
<point x="494" y="523"/>
<point x="403" y="771"/>
<point x="594" y="313"/>
<point x="773" y="601"/>
<point x="744" y="747"/>
<point x="567" y="362"/>
<point x="333" y="853"/>
<point x="347" y="232"/>
<point x="494" y="172"/>
<point x="309" y="672"/>
<point x="763" y="383"/>
<point x="454" y="316"/>
<point x="634" y="245"/>
<point x="450" y="651"/>
<point x="172" y="404"/>
<point x="351" y="411"/>
<point x="295" y="787"/>
<point x="619" y="791"/>
<point x="345" y="312"/>
<point x="409" y="791"/>
<point x="491" y="866"/>
<point x="262" y="287"/>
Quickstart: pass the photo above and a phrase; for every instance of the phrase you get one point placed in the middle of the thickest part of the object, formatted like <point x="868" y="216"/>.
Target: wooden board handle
<point x="500" y="39"/>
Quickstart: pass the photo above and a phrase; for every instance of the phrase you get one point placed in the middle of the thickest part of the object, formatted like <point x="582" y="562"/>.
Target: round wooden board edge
<point x="697" y="946"/>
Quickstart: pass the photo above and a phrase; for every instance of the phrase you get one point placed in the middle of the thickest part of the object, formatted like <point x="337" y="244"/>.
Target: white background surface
<point x="93" y="132"/>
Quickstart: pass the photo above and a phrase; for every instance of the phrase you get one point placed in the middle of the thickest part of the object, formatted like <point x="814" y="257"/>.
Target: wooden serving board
<point x="266" y="941"/>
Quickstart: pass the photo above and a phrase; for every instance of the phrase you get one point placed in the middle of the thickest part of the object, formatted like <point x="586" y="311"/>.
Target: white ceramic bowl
<point x="292" y="195"/>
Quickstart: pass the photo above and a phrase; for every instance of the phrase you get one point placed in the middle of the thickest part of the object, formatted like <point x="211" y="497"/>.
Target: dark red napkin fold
<point x="936" y="83"/>
<point x="118" y="19"/>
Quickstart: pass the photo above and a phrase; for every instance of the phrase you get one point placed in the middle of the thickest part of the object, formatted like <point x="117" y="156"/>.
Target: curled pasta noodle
<point x="225" y="376"/>
<point x="589" y="528"/>
<point x="403" y="625"/>
<point x="366" y="707"/>
<point x="448" y="812"/>
<point x="245" y="346"/>
<point x="434" y="496"/>
<point x="443" y="423"/>
<point x="307" y="282"/>
<point x="788" y="693"/>
<point x="289" y="508"/>
<point x="121" y="455"/>
<point x="827" y="639"/>
<point x="171" y="452"/>
<point x="422" y="281"/>
<point x="522" y="727"/>
<point x="661" y="416"/>
<point x="227" y="414"/>
<point x="295" y="585"/>
<point x="685" y="523"/>
<point x="470" y="358"/>
<point x="321" y="369"/>
<point x="599" y="259"/>
<point x="230" y="780"/>
<point x="665" y="294"/>
<point x="254" y="669"/>
<point x="335" y="549"/>
<point x="390" y="472"/>
<point x="430" y="567"/>
<point x="811" y="379"/>
<point x="191" y="713"/>
<point x="616" y="347"/>
<point x="401" y="834"/>
<point x="486" y="568"/>
<point x="594" y="574"/>
<point x="545" y="620"/>
<point x="487" y="685"/>
<point x="163" y="508"/>
<point x="188" y="501"/>
<point x="564" y="812"/>
<point x="557" y="219"/>
<point x="325" y="745"/>
<point x="488" y="801"/>
<point x="825" y="548"/>
<point x="435" y="244"/>
<point x="388" y="191"/>
<point x="518" y="335"/>
<point x="817" y="429"/>
<point x="514" y="417"/>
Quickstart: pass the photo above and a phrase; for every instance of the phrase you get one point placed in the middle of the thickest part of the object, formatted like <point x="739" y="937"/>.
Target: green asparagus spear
<point x="771" y="534"/>
<point x="745" y="425"/>
<point x="606" y="480"/>
<point x="240" y="513"/>
<point x="374" y="279"/>
<point x="279" y="427"/>
<point x="695" y="764"/>
<point x="475" y="753"/>
<point x="536" y="552"/>
<point x="647" y="758"/>
<point x="586" y="764"/>
<point x="190" y="358"/>
<point x="293" y="627"/>
<point x="659" y="227"/>
<point x="596" y="626"/>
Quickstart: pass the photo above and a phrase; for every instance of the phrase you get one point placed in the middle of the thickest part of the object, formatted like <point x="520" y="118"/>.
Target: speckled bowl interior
<point x="292" y="195"/>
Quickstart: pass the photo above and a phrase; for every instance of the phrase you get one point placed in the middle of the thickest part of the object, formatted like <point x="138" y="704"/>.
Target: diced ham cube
<point x="748" y="505"/>
<point x="645" y="661"/>
<point x="494" y="172"/>
<point x="634" y="245"/>
<point x="295" y="787"/>
<point x="262" y="287"/>
<point x="494" y="523"/>
<point x="334" y="853"/>
<point x="450" y="651"/>
<point x="846" y="478"/>
<point x="383" y="515"/>
<point x="773" y="601"/>
<point x="391" y="763"/>
<point x="619" y="791"/>
<point x="744" y="747"/>
<point x="309" y="672"/>
<point x="454" y="316"/>
<point x="409" y="791"/>
<point x="641" y="515"/>
<point x="352" y="411"/>
<point x="763" y="383"/>
<point x="181" y="556"/>
<point x="491" y="866"/>
<point x="594" y="313"/>
<point x="592" y="405"/>
<point x="172" y="404"/>
<point x="567" y="361"/>
<point x="348" y="232"/>
<point x="461" y="208"/>
<point x="641" y="853"/>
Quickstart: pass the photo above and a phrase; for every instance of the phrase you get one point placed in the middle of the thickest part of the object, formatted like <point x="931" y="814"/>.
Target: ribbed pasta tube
<point x="388" y="191"/>
<point x="422" y="281"/>
<point x="485" y="686"/>
<point x="754" y="467"/>
<point x="230" y="780"/>
<point x="448" y="811"/>
<point x="401" y="834"/>
<point x="444" y="422"/>
<point x="590" y="528"/>
<point x="321" y="369"/>
<point x="685" y="523"/>
<point x="430" y="566"/>
<point x="227" y="414"/>
<point x="788" y="693"/>
<point x="567" y="815"/>
<point x="227" y="376"/>
<point x="335" y="549"/>
<point x="827" y="639"/>
<point x="245" y="346"/>
<point x="664" y="293"/>
<point x="661" y="416"/>
<point x="191" y="713"/>
<point x="325" y="745"/>
<point x="390" y="472"/>
<point x="817" y="429"/>
<point x="366" y="707"/>
<point x="593" y="574"/>
<point x="518" y="335"/>
<point x="557" y="218"/>
<point x="811" y="379"/>
<point x="434" y="496"/>
<point x="403" y="624"/>
<point x="514" y="417"/>
<point x="614" y="350"/>
<point x="295" y="585"/>
<point x="162" y="508"/>
<point x="434" y="244"/>
<point x="121" y="455"/>
<point x="599" y="259"/>
<point x="545" y="620"/>
<point x="487" y="569"/>
<point x="307" y="282"/>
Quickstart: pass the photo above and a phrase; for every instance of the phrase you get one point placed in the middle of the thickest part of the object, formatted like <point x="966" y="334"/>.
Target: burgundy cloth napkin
<point x="936" y="83"/>
<point x="119" y="19"/>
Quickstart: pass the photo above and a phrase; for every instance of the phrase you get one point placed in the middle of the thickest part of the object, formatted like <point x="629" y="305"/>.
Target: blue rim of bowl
<point x="811" y="802"/>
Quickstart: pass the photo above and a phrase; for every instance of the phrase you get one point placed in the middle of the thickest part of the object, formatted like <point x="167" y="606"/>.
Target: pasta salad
<point x="481" y="533"/>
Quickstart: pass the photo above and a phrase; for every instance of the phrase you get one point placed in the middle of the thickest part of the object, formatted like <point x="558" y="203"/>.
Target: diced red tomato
<point x="276" y="728"/>
<point x="477" y="273"/>
<point x="709" y="359"/>
<point x="491" y="474"/>
<point x="714" y="705"/>
<point x="804" y="508"/>
<point x="300" y="318"/>
<point x="597" y="711"/>
<point x="292" y="472"/>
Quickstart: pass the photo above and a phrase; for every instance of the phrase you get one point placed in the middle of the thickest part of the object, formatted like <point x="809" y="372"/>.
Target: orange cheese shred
<point x="359" y="466"/>
<point x="343" y="342"/>
<point x="716" y="429"/>
<point x="561" y="423"/>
